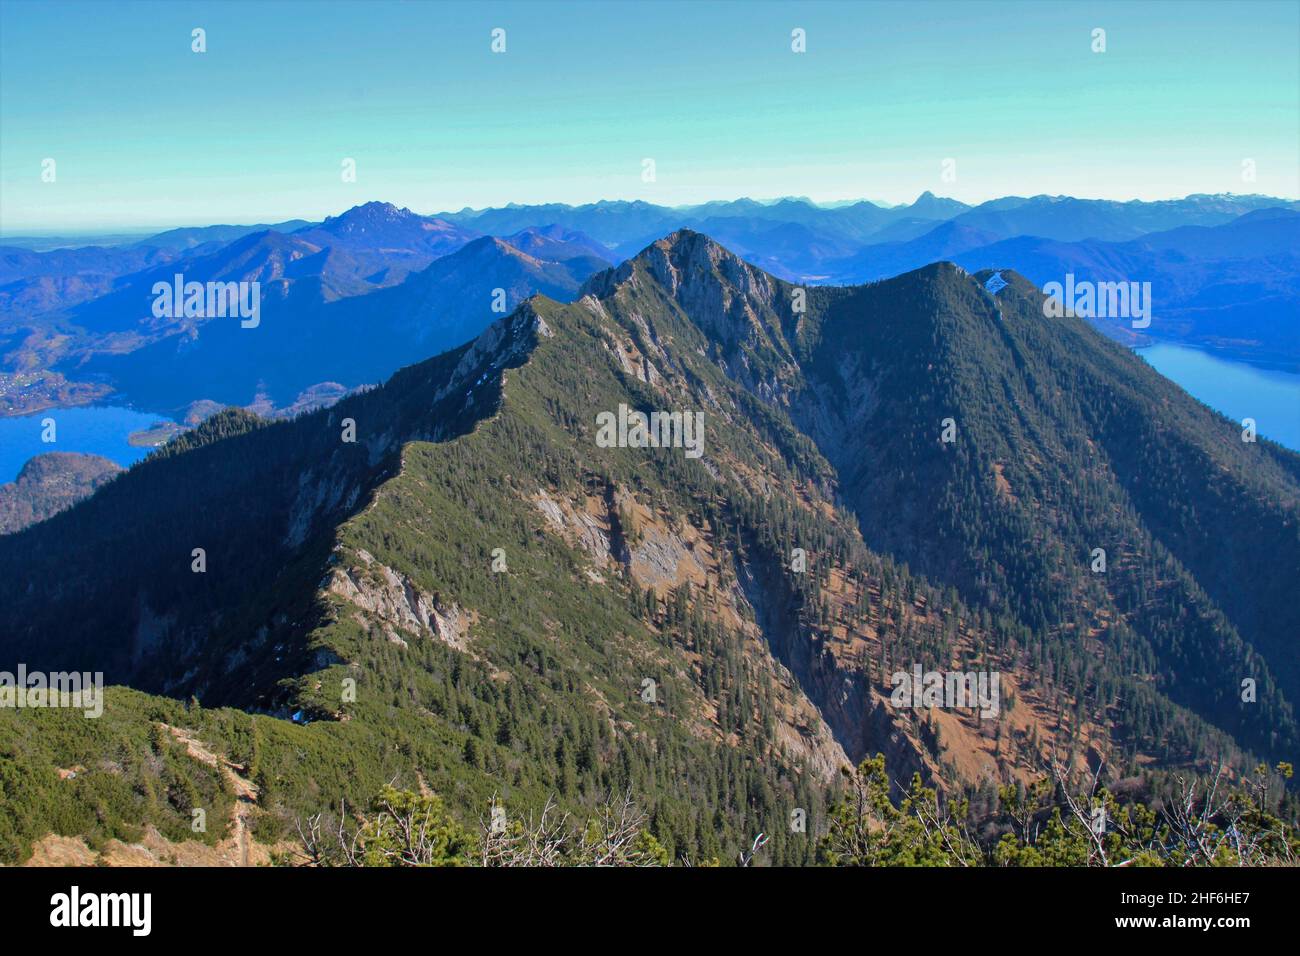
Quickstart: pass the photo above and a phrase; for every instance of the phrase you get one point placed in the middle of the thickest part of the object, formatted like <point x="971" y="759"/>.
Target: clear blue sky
<point x="147" y="133"/>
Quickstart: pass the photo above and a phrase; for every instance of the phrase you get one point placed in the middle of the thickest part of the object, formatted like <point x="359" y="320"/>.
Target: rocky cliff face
<point x="392" y="605"/>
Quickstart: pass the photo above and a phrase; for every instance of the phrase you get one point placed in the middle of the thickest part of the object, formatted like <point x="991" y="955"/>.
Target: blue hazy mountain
<point x="556" y="243"/>
<point x="797" y="239"/>
<point x="1223" y="270"/>
<point x="1070" y="219"/>
<point x="1233" y="287"/>
<point x="189" y="237"/>
<point x="391" y="242"/>
<point x="319" y="322"/>
<point x="945" y="241"/>
<point x="16" y="263"/>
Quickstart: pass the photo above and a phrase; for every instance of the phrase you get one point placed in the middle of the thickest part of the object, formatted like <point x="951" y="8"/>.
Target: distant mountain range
<point x="628" y="226"/>
<point x="1233" y="288"/>
<point x="352" y="298"/>
<point x="320" y="322"/>
<point x="347" y="301"/>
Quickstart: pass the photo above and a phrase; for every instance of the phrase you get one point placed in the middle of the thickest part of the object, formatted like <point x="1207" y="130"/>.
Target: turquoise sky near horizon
<point x="147" y="133"/>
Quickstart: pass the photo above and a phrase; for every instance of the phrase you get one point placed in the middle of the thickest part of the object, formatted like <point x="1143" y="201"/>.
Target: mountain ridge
<point x="499" y="584"/>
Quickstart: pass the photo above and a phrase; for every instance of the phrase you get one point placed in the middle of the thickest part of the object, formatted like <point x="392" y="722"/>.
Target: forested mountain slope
<point x="483" y="594"/>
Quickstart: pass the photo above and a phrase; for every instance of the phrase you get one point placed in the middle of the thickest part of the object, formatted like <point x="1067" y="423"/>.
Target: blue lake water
<point x="1236" y="389"/>
<point x="96" y="429"/>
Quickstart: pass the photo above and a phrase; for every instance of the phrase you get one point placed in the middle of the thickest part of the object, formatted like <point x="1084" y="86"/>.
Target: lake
<point x="96" y="429"/>
<point x="1236" y="389"/>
